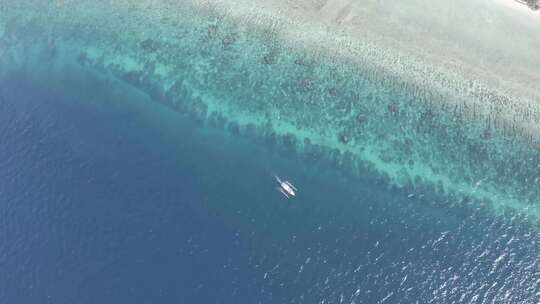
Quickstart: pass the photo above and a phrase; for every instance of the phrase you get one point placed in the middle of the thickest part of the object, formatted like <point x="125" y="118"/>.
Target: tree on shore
<point x="533" y="4"/>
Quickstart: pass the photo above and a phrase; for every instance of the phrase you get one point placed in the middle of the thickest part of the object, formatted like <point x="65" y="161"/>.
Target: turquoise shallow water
<point x="110" y="198"/>
<point x="233" y="75"/>
<point x="118" y="189"/>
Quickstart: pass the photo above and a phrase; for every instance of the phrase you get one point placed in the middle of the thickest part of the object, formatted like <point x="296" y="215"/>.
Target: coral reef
<point x="438" y="135"/>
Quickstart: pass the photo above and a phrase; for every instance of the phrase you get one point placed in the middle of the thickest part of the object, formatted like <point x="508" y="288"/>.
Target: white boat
<point x="286" y="188"/>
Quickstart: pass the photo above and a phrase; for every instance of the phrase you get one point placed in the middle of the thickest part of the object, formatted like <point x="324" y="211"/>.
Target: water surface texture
<point x="139" y="140"/>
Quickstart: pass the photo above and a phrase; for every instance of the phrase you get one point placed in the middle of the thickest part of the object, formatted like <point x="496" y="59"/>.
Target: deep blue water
<point x="106" y="197"/>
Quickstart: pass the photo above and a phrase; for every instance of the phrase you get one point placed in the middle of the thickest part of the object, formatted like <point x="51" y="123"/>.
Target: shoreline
<point x="520" y="7"/>
<point x="468" y="72"/>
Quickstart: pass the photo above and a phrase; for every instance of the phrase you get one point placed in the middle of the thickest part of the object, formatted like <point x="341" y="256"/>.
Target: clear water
<point x="107" y="196"/>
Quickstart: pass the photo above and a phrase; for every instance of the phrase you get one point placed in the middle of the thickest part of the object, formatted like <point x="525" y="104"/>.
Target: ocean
<point x="110" y="198"/>
<point x="110" y="195"/>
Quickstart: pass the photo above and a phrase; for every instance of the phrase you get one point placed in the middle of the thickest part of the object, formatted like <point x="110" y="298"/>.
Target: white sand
<point x="520" y="9"/>
<point x="492" y="44"/>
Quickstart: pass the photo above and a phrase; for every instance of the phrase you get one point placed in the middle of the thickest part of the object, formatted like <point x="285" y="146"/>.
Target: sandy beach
<point x="465" y="48"/>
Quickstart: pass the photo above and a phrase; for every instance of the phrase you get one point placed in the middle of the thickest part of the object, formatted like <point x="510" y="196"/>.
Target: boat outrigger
<point x="286" y="188"/>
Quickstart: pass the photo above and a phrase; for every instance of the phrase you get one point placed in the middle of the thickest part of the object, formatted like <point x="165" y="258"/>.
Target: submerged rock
<point x="216" y="120"/>
<point x="150" y="45"/>
<point x="343" y="138"/>
<point x="234" y="128"/>
<point x="289" y="142"/>
<point x="82" y="59"/>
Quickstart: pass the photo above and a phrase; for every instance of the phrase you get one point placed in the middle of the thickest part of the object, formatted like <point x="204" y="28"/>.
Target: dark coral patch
<point x="343" y="138"/>
<point x="150" y="45"/>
